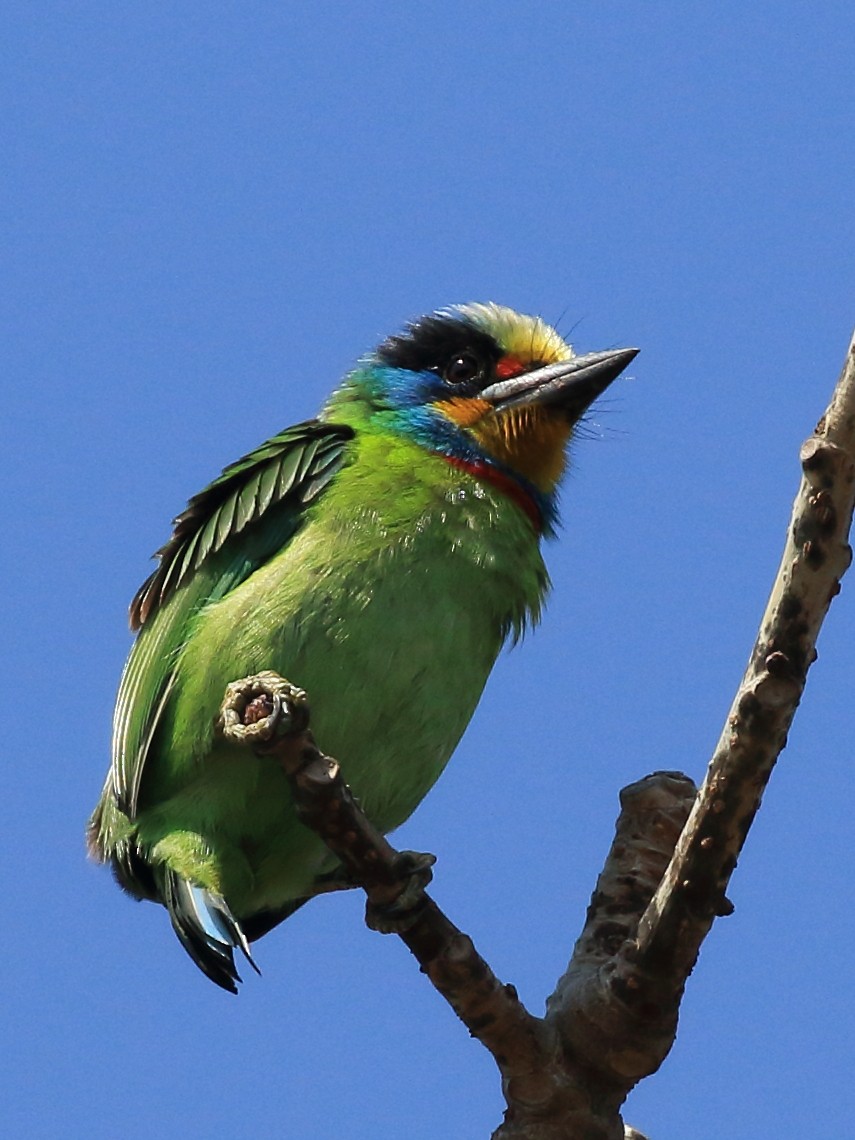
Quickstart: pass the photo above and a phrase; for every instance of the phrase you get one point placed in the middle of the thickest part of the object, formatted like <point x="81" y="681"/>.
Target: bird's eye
<point x="462" y="369"/>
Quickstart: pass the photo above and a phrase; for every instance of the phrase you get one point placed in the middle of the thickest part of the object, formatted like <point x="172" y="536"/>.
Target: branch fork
<point x="613" y="1015"/>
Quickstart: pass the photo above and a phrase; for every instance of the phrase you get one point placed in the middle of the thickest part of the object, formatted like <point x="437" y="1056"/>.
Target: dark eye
<point x="462" y="369"/>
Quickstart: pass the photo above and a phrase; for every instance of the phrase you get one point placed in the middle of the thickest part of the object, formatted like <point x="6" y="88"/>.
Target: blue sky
<point x="209" y="212"/>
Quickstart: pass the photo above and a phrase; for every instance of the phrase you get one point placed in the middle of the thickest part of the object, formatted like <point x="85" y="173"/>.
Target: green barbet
<point x="378" y="557"/>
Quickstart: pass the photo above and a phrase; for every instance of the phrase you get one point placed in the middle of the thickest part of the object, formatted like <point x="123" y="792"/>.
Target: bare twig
<point x="613" y="1015"/>
<point x="270" y="714"/>
<point x="816" y="556"/>
<point x="616" y="1012"/>
<point x="553" y="1089"/>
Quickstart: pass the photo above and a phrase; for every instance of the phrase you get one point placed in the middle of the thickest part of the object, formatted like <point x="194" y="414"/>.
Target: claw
<point x="400" y="914"/>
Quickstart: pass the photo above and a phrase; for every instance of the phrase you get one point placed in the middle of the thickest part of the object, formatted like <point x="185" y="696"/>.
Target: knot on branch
<point x="822" y="460"/>
<point x="257" y="710"/>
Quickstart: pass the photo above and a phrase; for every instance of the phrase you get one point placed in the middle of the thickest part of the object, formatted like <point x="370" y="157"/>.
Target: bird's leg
<point x="338" y="880"/>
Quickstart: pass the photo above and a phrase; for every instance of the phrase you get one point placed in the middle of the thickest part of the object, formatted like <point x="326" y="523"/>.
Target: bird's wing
<point x="226" y="532"/>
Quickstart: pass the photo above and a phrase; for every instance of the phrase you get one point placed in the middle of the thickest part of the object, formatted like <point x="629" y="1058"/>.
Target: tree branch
<point x="551" y="1094"/>
<point x="271" y="715"/>
<point x="606" y="1036"/>
<point x="613" y="1016"/>
<point x="816" y="555"/>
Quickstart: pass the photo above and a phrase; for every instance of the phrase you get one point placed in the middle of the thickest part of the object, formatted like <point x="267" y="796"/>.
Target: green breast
<point x="389" y="607"/>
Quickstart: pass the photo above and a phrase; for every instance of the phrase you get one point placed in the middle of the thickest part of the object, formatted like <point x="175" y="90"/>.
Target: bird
<point x="378" y="556"/>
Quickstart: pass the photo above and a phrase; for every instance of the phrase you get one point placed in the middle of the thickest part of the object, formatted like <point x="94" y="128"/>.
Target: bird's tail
<point x="208" y="930"/>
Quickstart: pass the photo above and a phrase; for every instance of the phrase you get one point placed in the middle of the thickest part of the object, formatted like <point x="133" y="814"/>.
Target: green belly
<point x="393" y="644"/>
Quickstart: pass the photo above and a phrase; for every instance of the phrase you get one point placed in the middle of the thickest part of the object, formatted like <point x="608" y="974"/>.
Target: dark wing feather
<point x="292" y="462"/>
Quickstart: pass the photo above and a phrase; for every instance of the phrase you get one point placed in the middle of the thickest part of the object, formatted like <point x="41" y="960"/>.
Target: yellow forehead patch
<point x="529" y="338"/>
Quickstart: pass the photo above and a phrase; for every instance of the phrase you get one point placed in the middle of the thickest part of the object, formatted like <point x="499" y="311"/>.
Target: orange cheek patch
<point x="530" y="441"/>
<point x="463" y="411"/>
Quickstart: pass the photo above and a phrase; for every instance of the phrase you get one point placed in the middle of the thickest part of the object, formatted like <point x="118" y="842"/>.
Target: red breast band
<point x="505" y="483"/>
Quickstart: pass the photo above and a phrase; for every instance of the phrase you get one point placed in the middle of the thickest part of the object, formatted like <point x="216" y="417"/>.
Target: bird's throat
<point x="509" y="486"/>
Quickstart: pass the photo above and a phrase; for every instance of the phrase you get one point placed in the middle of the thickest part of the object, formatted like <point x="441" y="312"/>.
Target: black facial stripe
<point x="432" y="342"/>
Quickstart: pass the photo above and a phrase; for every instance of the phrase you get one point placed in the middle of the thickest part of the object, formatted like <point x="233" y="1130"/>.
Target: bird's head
<point x="486" y="387"/>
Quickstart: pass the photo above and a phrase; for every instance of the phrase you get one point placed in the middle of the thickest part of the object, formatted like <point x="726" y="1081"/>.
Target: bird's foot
<point x="263" y="708"/>
<point x="402" y="910"/>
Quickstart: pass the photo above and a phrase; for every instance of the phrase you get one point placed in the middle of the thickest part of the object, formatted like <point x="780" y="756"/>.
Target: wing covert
<point x="275" y="482"/>
<point x="299" y="461"/>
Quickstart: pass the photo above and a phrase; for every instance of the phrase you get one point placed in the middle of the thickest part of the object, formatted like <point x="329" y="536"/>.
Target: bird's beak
<point x="571" y="385"/>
